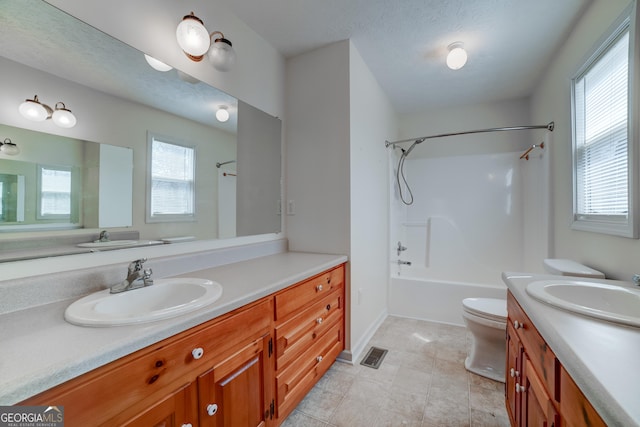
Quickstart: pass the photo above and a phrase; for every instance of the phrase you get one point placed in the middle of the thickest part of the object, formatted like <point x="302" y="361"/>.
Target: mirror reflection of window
<point x="172" y="177"/>
<point x="54" y="192"/>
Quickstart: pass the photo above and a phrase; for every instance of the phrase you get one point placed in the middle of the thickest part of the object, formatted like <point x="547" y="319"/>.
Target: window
<point x="171" y="181"/>
<point x="602" y="148"/>
<point x="54" y="192"/>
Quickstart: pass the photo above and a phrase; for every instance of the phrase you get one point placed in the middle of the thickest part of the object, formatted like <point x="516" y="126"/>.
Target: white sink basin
<point x="600" y="300"/>
<point x="107" y="244"/>
<point x="164" y="299"/>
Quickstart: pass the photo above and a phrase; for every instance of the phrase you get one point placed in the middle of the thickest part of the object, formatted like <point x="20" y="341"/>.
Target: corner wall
<point x="617" y="257"/>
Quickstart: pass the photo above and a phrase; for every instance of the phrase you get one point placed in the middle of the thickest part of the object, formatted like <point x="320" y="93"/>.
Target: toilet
<point x="486" y="319"/>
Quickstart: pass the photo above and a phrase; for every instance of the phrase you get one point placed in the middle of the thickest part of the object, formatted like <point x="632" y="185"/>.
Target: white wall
<point x="372" y="121"/>
<point x="337" y="120"/>
<point x="317" y="154"/>
<point x="617" y="257"/>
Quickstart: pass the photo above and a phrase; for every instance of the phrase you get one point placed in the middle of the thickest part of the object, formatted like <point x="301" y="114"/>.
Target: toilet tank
<point x="567" y="267"/>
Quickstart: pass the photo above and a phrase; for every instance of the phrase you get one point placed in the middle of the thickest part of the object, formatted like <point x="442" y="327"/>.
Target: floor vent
<point x="374" y="357"/>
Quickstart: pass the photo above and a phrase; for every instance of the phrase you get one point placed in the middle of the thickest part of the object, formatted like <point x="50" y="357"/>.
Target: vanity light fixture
<point x="33" y="109"/>
<point x="157" y="65"/>
<point x="195" y="41"/>
<point x="9" y="148"/>
<point x="222" y="114"/>
<point x="457" y="56"/>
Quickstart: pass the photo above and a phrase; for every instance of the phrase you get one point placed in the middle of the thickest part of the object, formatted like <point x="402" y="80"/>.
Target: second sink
<point x="595" y="299"/>
<point x="164" y="299"/>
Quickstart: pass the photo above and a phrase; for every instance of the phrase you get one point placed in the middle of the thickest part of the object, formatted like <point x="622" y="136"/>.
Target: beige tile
<point x="298" y="419"/>
<point x="396" y="419"/>
<point x="336" y="381"/>
<point x="385" y="374"/>
<point x="319" y="404"/>
<point x="446" y="412"/>
<point x="368" y="391"/>
<point x="488" y="419"/>
<point x="480" y="399"/>
<point x="410" y="405"/>
<point x="412" y="380"/>
<point x="486" y="383"/>
<point x="355" y="413"/>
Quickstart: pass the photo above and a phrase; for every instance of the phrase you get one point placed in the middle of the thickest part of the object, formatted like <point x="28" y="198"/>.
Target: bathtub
<point x="416" y="294"/>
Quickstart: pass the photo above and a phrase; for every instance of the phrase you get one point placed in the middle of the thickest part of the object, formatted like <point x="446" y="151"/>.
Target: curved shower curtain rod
<point x="549" y="127"/>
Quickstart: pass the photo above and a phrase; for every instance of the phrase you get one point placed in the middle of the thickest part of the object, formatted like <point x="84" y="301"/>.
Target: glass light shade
<point x="222" y="114"/>
<point x="9" y="148"/>
<point x="32" y="109"/>
<point x="157" y="65"/>
<point x="221" y="55"/>
<point x="457" y="57"/>
<point x="63" y="117"/>
<point x="193" y="37"/>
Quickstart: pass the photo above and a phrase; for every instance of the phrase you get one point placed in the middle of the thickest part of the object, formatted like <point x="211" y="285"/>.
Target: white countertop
<point x="39" y="349"/>
<point x="602" y="357"/>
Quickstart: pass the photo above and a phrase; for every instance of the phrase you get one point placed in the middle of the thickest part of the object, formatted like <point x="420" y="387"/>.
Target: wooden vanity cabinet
<point x="309" y="334"/>
<point x="224" y="362"/>
<point x="538" y="391"/>
<point x="220" y="373"/>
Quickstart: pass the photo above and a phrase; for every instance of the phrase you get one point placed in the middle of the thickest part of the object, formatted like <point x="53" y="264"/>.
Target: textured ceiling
<point x="404" y="42"/>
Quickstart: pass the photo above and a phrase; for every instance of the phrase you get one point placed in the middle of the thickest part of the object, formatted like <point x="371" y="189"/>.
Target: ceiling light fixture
<point x="222" y="114"/>
<point x="195" y="41"/>
<point x="457" y="56"/>
<point x="157" y="65"/>
<point x="36" y="111"/>
<point x="9" y="148"/>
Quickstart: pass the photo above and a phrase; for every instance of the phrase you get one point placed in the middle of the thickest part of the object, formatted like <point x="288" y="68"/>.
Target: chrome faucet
<point x="137" y="277"/>
<point x="636" y="279"/>
<point x="104" y="237"/>
<point x="401" y="248"/>
<point x="401" y="262"/>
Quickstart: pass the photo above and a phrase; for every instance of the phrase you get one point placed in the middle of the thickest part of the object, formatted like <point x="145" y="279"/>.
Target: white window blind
<point x="601" y="135"/>
<point x="172" y="179"/>
<point x="55" y="192"/>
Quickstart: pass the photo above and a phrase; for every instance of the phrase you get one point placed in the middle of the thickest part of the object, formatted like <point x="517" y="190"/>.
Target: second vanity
<point x="277" y="327"/>
<point x="565" y="368"/>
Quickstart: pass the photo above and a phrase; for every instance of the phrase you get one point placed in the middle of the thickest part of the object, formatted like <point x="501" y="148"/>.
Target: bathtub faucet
<point x="401" y="262"/>
<point x="401" y="248"/>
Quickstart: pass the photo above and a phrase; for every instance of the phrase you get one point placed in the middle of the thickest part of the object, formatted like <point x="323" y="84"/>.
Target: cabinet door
<point x="514" y="377"/>
<point x="178" y="409"/>
<point x="537" y="407"/>
<point x="237" y="392"/>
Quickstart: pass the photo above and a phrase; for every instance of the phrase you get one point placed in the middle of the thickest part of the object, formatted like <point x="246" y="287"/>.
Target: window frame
<point x="612" y="224"/>
<point x="160" y="218"/>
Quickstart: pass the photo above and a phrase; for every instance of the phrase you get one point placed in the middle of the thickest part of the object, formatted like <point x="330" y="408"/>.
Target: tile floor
<point x="422" y="382"/>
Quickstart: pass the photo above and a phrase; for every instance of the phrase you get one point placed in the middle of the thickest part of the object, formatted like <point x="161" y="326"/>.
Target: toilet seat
<point x="488" y="308"/>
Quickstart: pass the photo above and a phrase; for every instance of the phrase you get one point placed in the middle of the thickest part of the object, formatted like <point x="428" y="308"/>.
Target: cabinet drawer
<point x="299" y="296"/>
<point x="298" y="333"/>
<point x="299" y="377"/>
<point x="145" y="375"/>
<point x="543" y="360"/>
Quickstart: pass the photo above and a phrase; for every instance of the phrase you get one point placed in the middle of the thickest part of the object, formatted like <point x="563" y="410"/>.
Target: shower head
<point x="406" y="152"/>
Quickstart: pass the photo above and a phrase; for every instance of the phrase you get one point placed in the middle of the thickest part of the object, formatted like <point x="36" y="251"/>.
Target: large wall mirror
<point x="120" y="101"/>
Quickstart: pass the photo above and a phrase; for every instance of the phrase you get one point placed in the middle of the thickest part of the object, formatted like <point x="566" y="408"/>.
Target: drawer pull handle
<point x="212" y="408"/>
<point x="319" y="320"/>
<point x="328" y="307"/>
<point x="319" y="359"/>
<point x="197" y="353"/>
<point x="520" y="388"/>
<point x="514" y="373"/>
<point x="517" y="324"/>
<point x="319" y="288"/>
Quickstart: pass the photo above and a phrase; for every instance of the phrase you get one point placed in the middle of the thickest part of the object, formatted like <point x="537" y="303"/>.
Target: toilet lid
<point x="490" y="308"/>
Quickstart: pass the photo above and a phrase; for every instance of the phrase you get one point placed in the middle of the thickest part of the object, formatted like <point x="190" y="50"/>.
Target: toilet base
<point x="487" y="373"/>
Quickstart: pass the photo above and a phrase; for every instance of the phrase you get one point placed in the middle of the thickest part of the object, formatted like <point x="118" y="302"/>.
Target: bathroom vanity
<point x="564" y="368"/>
<point x="248" y="359"/>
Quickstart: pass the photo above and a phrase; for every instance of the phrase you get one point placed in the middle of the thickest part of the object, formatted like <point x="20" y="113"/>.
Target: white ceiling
<point x="404" y="42"/>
